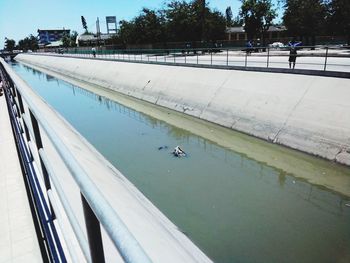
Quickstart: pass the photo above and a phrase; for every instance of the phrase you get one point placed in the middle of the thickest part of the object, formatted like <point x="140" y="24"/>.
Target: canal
<point x="234" y="207"/>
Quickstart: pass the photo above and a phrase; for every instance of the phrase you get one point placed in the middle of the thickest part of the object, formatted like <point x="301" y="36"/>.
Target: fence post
<point x="325" y="61"/>
<point x="93" y="230"/>
<point x="39" y="145"/>
<point x="245" y="63"/>
<point x="211" y="57"/>
<point x="227" y="57"/>
<point x="268" y="56"/>
<point x="197" y="57"/>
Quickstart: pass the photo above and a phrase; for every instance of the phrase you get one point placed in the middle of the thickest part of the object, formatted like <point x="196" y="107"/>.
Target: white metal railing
<point x="313" y="58"/>
<point x="97" y="209"/>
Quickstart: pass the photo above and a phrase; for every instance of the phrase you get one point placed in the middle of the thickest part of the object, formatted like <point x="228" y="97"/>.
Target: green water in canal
<point x="236" y="209"/>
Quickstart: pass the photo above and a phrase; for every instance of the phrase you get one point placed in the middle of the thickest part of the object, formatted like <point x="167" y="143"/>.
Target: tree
<point x="180" y="22"/>
<point x="305" y="18"/>
<point x="237" y="21"/>
<point x="339" y="18"/>
<point x="257" y="16"/>
<point x="9" y="44"/>
<point x="126" y="32"/>
<point x="28" y="43"/>
<point x="148" y="27"/>
<point x="193" y="21"/>
<point x="70" y="40"/>
<point x="83" y="22"/>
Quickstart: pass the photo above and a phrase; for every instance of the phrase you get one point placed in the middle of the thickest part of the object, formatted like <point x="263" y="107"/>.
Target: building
<point x="47" y="36"/>
<point x="238" y="33"/>
<point x="94" y="40"/>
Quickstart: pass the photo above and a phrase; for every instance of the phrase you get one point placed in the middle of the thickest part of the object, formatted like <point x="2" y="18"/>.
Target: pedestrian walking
<point x="293" y="53"/>
<point x="249" y="47"/>
<point x="292" y="56"/>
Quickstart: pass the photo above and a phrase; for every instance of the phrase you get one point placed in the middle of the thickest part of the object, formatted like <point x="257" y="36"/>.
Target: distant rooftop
<point x="52" y="30"/>
<point x="94" y="37"/>
<point x="240" y="29"/>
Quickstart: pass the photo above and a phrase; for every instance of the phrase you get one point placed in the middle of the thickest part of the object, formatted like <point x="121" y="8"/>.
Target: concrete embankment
<point x="308" y="113"/>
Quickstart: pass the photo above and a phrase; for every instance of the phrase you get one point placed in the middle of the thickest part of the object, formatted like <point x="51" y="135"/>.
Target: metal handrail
<point x="122" y="238"/>
<point x="42" y="216"/>
<point x="219" y="56"/>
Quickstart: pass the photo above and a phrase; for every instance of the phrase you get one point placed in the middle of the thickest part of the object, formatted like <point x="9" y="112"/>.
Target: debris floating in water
<point x="178" y="152"/>
<point x="162" y="147"/>
<point x="348" y="204"/>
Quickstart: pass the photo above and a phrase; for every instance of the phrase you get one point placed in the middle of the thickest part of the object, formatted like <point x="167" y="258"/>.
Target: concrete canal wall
<point x="307" y="113"/>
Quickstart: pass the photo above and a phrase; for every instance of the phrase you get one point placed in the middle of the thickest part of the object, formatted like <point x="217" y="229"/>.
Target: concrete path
<point x="18" y="240"/>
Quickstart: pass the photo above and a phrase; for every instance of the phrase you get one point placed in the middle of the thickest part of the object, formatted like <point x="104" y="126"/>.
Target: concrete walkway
<point x="18" y="240"/>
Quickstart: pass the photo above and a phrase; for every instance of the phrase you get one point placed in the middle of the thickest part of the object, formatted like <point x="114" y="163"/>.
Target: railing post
<point x="268" y="56"/>
<point x="246" y="55"/>
<point x="93" y="230"/>
<point x="325" y="61"/>
<point x="39" y="145"/>
<point x="174" y="57"/>
<point x="20" y="101"/>
<point x="211" y="57"/>
<point x="197" y="57"/>
<point x="227" y="57"/>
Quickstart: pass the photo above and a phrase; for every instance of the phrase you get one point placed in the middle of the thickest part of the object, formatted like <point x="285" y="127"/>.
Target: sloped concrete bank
<point x="307" y="113"/>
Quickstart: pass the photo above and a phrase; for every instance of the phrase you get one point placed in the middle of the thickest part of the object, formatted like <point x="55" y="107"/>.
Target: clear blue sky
<point x="20" y="18"/>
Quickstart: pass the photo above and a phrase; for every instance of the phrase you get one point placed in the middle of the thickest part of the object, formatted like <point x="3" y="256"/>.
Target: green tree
<point x="257" y="16"/>
<point x="148" y="27"/>
<point x="339" y="18"/>
<point x="180" y="22"/>
<point x="215" y="26"/>
<point x="126" y="32"/>
<point x="9" y="44"/>
<point x="305" y="18"/>
<point x="70" y="40"/>
<point x="237" y="21"/>
<point x="193" y="21"/>
<point x="28" y="43"/>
